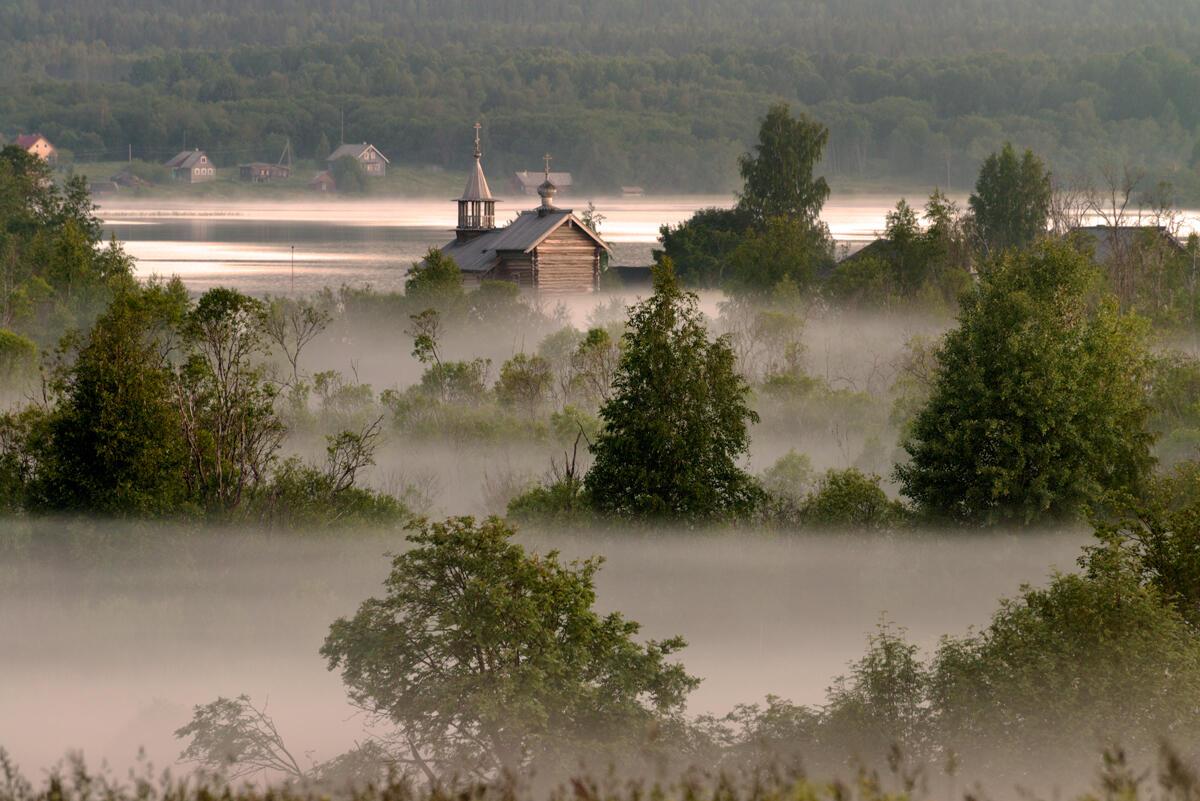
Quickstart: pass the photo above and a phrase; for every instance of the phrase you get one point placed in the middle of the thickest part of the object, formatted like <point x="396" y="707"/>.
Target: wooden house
<point x="546" y="249"/>
<point x="258" y="172"/>
<point x="323" y="182"/>
<point x="373" y="162"/>
<point x="192" y="167"/>
<point x="526" y="182"/>
<point x="39" y="146"/>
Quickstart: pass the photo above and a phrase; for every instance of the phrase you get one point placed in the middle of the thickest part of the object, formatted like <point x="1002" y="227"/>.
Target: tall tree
<point x="778" y="176"/>
<point x="114" y="443"/>
<point x="1039" y="405"/>
<point x="676" y="422"/>
<point x="488" y="658"/>
<point x="1011" y="202"/>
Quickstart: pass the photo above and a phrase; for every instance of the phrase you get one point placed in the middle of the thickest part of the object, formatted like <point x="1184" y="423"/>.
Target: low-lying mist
<point x="113" y="632"/>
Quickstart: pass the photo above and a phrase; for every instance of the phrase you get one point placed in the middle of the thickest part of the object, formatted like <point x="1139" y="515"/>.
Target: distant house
<point x="129" y="180"/>
<point x="1109" y="241"/>
<point x="97" y="188"/>
<point x="38" y="145"/>
<point x="546" y="249"/>
<point x="192" y="166"/>
<point x="527" y="182"/>
<point x="373" y="162"/>
<point x="323" y="182"/>
<point x="259" y="173"/>
<point x="632" y="191"/>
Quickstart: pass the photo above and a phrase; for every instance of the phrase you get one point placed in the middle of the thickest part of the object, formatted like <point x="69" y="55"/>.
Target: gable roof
<point x="1127" y="237"/>
<point x="186" y="159"/>
<point x="26" y="141"/>
<point x="355" y="152"/>
<point x="532" y="180"/>
<point x="530" y="229"/>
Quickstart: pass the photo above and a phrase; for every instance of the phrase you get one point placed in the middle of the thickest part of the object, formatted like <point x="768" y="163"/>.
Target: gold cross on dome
<point x="548" y="159"/>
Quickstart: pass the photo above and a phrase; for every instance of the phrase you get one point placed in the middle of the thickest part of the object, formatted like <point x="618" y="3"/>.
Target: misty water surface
<point x="111" y="635"/>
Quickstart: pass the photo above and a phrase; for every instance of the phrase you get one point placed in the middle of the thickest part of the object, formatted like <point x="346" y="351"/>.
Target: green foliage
<point x="850" y="499"/>
<point x="18" y="356"/>
<point x="525" y="381"/>
<point x="488" y="658"/>
<point x="785" y="249"/>
<point x="1101" y="653"/>
<point x="1161" y="531"/>
<point x="790" y="478"/>
<point x="349" y="177"/>
<point x="1038" y="407"/>
<point x="115" y="442"/>
<point x="1011" y="202"/>
<point x="700" y="246"/>
<point x="779" y="175"/>
<point x="555" y="502"/>
<point x="435" y="282"/>
<point x="53" y="272"/>
<point x="676" y="421"/>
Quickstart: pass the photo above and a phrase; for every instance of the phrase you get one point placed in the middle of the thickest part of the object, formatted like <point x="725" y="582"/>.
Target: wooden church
<point x="546" y="249"/>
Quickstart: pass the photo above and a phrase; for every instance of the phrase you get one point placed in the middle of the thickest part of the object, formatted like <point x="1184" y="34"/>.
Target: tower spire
<point x="476" y="207"/>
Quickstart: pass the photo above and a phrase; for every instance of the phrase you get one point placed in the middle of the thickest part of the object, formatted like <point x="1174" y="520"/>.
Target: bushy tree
<point x="488" y="658"/>
<point x="849" y="498"/>
<point x="785" y="249"/>
<point x="1011" y="202"/>
<point x="114" y="442"/>
<point x="226" y="400"/>
<point x="435" y="282"/>
<point x="1038" y="406"/>
<point x="700" y="246"/>
<point x="778" y="176"/>
<point x="676" y="422"/>
<point x="349" y="177"/>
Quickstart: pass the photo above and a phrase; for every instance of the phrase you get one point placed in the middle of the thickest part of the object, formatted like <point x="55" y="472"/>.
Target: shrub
<point x="852" y="499"/>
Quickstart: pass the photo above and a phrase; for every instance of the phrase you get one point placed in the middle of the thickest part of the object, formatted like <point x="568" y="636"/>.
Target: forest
<point x="662" y="98"/>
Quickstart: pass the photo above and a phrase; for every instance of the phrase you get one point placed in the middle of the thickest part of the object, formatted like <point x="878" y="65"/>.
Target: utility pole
<point x="342" y="124"/>
<point x="131" y="152"/>
<point x="293" y="271"/>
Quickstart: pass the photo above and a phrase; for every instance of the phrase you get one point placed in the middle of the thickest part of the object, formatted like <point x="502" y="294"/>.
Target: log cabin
<point x="547" y="249"/>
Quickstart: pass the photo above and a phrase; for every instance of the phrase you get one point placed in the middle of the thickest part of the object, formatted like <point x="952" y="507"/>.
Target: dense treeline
<point x="237" y="82"/>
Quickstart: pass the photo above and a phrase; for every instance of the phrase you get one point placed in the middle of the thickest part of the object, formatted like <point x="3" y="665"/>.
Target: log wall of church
<point x="567" y="261"/>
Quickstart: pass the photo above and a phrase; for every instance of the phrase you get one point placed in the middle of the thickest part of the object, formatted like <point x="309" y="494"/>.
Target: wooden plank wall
<point x="566" y="261"/>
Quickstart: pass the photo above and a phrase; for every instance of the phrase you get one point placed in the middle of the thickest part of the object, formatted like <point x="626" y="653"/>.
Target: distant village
<point x="194" y="166"/>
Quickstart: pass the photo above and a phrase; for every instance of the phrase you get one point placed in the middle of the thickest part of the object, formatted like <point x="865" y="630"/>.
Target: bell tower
<point x="476" y="207"/>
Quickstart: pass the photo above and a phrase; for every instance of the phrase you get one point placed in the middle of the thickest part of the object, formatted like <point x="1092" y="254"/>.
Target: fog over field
<point x="114" y="631"/>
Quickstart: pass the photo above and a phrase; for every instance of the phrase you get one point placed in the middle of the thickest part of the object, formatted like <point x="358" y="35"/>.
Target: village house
<point x="373" y="162"/>
<point x="546" y="249"/>
<point x="192" y="166"/>
<point x="322" y="182"/>
<point x="261" y="173"/>
<point x="527" y="183"/>
<point x="38" y="145"/>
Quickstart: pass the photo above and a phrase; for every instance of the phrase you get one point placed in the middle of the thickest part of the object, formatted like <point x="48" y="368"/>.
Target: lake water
<point x="254" y="246"/>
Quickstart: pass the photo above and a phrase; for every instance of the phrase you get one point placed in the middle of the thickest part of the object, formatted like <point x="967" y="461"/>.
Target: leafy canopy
<point x="676" y="422"/>
<point x="1038" y="405"/>
<point x="1011" y="202"/>
<point x="487" y="657"/>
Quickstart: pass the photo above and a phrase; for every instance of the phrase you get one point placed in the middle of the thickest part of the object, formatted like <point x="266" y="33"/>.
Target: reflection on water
<point x="261" y="248"/>
<point x="269" y="247"/>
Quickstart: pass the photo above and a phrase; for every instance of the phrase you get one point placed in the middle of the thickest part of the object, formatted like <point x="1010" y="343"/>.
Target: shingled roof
<point x="355" y="152"/>
<point x="530" y="229"/>
<point x="186" y="159"/>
